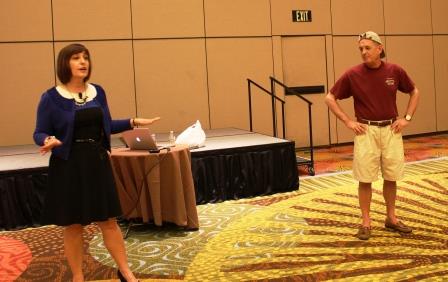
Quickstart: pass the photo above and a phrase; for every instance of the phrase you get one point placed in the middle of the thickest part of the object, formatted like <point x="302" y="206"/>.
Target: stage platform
<point x="233" y="164"/>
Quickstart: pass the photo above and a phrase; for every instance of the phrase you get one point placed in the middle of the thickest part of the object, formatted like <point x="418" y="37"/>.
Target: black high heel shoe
<point x="121" y="277"/>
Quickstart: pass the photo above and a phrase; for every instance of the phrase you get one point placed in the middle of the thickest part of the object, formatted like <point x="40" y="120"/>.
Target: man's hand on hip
<point x="398" y="125"/>
<point x="357" y="127"/>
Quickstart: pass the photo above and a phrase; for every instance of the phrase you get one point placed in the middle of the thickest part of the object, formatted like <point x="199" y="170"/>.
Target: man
<point x="378" y="141"/>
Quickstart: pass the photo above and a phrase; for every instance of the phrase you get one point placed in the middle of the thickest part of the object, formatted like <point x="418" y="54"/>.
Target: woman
<point x="74" y="123"/>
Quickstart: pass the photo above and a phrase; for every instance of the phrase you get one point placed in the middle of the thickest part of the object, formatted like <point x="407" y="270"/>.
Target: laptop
<point x="139" y="139"/>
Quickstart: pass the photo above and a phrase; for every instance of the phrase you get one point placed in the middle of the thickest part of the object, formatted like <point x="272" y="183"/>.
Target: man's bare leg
<point x="365" y="198"/>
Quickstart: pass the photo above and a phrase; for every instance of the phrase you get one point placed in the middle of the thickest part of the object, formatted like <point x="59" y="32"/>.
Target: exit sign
<point x="301" y="15"/>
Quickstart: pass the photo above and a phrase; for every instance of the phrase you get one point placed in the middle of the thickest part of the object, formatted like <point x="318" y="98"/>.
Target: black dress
<point x="82" y="188"/>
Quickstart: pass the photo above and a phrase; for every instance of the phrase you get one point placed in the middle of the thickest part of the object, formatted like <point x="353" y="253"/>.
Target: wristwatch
<point x="408" y="117"/>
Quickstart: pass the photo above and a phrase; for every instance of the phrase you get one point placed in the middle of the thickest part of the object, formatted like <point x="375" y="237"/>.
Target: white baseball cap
<point x="374" y="37"/>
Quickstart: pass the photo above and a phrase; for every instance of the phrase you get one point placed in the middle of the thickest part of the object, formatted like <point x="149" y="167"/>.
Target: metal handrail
<point x="273" y="79"/>
<point x="274" y="112"/>
<point x="310" y="124"/>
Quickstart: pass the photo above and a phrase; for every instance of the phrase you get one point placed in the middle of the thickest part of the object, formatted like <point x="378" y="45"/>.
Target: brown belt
<point x="379" y="123"/>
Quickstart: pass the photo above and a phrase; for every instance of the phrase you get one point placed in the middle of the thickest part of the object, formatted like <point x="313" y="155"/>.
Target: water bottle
<point x="172" y="139"/>
<point x="153" y="136"/>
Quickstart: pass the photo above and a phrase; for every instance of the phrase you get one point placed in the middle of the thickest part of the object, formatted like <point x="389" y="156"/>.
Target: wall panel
<point x="330" y="82"/>
<point x="29" y="74"/>
<point x="167" y="18"/>
<point x="91" y="19"/>
<point x="262" y="117"/>
<point x="24" y="20"/>
<point x="230" y="62"/>
<point x="237" y="18"/>
<point x="441" y="85"/>
<point x="171" y="82"/>
<point x="282" y="23"/>
<point x="349" y="17"/>
<point x="301" y="70"/>
<point x="439" y="19"/>
<point x="407" y="16"/>
<point x="418" y="63"/>
<point x="277" y="56"/>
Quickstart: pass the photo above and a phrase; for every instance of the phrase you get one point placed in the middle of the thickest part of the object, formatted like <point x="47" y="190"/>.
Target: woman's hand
<point x="144" y="121"/>
<point x="49" y="143"/>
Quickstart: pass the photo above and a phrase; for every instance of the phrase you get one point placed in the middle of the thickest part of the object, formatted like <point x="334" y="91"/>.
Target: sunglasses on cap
<point x="365" y="35"/>
<point x="374" y="37"/>
<point x="371" y="36"/>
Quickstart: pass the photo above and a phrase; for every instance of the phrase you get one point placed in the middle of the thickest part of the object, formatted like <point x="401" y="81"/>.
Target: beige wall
<point x="300" y="70"/>
<point x="418" y="63"/>
<point x="171" y="82"/>
<point x="441" y="85"/>
<point x="29" y="69"/>
<point x="188" y="60"/>
<point x="230" y="61"/>
<point x="237" y="18"/>
<point x="350" y="16"/>
<point x="167" y="18"/>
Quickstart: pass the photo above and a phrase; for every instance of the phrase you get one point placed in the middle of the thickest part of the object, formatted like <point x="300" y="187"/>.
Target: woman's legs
<point x="113" y="239"/>
<point x="73" y="246"/>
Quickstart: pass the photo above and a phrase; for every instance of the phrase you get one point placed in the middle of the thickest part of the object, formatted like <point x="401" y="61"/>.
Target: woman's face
<point x="79" y="65"/>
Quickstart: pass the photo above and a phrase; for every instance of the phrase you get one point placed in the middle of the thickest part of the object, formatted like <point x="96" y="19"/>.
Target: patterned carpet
<point x="309" y="237"/>
<point x="306" y="235"/>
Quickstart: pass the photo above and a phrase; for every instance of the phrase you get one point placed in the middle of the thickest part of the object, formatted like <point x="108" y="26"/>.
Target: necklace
<point x="80" y="98"/>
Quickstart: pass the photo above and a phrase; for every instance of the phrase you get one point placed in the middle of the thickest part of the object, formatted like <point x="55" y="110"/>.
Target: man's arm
<point x="413" y="101"/>
<point x="400" y="123"/>
<point x="331" y="102"/>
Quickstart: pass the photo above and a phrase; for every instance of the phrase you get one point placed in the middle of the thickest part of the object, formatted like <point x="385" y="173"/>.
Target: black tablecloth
<point x="219" y="175"/>
<point x="235" y="173"/>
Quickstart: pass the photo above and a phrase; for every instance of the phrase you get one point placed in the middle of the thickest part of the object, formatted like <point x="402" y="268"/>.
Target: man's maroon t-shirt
<point x="373" y="90"/>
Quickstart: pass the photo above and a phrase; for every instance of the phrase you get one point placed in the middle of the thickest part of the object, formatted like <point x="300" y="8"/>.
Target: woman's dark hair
<point x="64" y="71"/>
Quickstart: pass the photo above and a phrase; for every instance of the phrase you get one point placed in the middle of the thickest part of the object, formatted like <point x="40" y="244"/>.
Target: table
<point x="156" y="186"/>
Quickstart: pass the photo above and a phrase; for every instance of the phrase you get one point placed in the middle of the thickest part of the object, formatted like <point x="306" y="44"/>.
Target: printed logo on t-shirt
<point x="390" y="81"/>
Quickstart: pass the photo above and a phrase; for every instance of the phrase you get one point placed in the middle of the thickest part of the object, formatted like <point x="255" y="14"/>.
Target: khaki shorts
<point x="378" y="147"/>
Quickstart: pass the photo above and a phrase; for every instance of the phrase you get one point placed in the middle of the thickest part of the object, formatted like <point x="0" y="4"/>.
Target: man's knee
<point x="365" y="185"/>
<point x="387" y="184"/>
